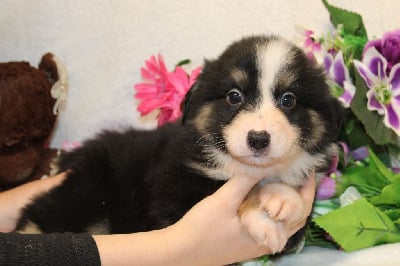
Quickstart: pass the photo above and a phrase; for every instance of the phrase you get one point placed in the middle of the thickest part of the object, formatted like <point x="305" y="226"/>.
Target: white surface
<point x="385" y="255"/>
<point x="103" y="44"/>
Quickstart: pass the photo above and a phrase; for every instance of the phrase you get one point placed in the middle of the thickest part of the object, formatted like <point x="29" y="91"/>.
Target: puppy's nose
<point x="258" y="140"/>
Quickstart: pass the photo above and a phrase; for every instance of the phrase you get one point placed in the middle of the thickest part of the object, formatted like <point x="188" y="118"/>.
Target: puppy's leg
<point x="281" y="202"/>
<point x="262" y="228"/>
<point x="71" y="207"/>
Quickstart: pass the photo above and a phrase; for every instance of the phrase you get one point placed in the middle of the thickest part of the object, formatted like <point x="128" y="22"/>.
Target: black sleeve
<point x="48" y="249"/>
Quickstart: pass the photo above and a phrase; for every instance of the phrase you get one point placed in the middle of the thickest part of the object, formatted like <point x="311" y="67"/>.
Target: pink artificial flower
<point x="70" y="145"/>
<point x="163" y="90"/>
<point x="311" y="45"/>
<point x="310" y="41"/>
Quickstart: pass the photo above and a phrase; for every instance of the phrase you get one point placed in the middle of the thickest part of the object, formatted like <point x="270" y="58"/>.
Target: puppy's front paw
<point x="281" y="202"/>
<point x="264" y="230"/>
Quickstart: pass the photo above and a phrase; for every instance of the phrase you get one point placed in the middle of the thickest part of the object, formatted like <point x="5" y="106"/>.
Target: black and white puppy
<point x="261" y="110"/>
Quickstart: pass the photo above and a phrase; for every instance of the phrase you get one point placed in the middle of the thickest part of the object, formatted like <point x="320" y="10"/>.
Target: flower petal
<point x="194" y="74"/>
<point x="360" y="153"/>
<point x="328" y="58"/>
<point x="163" y="68"/>
<point x="326" y="189"/>
<point x="375" y="62"/>
<point x="179" y="80"/>
<point x="164" y="117"/>
<point x="346" y="151"/>
<point x="346" y="98"/>
<point x="149" y="105"/>
<point x="338" y="70"/>
<point x="392" y="118"/>
<point x="365" y="73"/>
<point x="373" y="104"/>
<point x="394" y="77"/>
<point x="348" y="94"/>
<point x="391" y="46"/>
<point x="374" y="43"/>
<point x="146" y="74"/>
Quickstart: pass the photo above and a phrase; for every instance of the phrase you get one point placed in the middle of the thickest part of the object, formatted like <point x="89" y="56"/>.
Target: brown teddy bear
<point x="28" y="110"/>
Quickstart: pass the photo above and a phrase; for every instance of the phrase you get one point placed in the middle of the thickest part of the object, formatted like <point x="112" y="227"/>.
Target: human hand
<point x="265" y="207"/>
<point x="12" y="201"/>
<point x="307" y="193"/>
<point x="212" y="231"/>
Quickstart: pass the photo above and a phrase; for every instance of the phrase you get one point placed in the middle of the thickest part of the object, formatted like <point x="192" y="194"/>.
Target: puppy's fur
<point x="261" y="110"/>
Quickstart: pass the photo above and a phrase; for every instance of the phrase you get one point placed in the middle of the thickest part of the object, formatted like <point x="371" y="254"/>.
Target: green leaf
<point x="351" y="21"/>
<point x="393" y="214"/>
<point x="377" y="164"/>
<point x="372" y="121"/>
<point x="183" y="62"/>
<point x="390" y="195"/>
<point x="368" y="181"/>
<point x="359" y="225"/>
<point x="353" y="47"/>
<point x="355" y="133"/>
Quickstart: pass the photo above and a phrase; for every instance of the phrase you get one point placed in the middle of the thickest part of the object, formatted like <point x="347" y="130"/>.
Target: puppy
<point x="261" y="110"/>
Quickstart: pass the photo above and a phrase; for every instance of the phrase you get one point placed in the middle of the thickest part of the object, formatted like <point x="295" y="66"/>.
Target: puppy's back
<point x="105" y="181"/>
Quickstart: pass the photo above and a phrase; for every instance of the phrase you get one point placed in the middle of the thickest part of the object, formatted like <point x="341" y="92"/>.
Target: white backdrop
<point x="104" y="43"/>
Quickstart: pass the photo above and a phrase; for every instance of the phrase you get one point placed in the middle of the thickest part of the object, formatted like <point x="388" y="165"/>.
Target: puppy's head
<point x="263" y="103"/>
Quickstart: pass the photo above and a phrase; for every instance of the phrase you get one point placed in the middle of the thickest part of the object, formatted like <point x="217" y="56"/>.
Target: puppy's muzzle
<point x="258" y="141"/>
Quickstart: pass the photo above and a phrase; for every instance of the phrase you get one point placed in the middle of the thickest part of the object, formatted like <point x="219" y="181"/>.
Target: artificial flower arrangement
<point x="358" y="201"/>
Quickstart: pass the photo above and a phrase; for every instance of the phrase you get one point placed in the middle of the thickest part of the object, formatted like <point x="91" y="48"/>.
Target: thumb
<point x="307" y="192"/>
<point x="236" y="189"/>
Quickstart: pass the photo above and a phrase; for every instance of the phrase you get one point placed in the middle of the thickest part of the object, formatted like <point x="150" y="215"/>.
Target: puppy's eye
<point x="288" y="100"/>
<point x="234" y="97"/>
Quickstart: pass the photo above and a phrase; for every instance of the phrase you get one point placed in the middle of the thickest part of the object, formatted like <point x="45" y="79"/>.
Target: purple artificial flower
<point x="327" y="185"/>
<point x="389" y="47"/>
<point x="384" y="90"/>
<point x="346" y="151"/>
<point x="360" y="153"/>
<point x="338" y="72"/>
<point x="326" y="188"/>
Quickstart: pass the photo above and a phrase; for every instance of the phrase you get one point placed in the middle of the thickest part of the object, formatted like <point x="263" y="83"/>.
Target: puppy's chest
<point x="230" y="168"/>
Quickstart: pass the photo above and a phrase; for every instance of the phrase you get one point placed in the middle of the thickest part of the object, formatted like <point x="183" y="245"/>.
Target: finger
<point x="294" y="228"/>
<point x="236" y="189"/>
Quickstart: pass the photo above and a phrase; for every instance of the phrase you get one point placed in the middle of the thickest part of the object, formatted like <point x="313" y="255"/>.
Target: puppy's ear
<point x="187" y="101"/>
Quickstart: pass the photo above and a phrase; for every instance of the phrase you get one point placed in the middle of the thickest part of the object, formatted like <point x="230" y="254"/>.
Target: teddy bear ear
<point x="57" y="75"/>
<point x="49" y="66"/>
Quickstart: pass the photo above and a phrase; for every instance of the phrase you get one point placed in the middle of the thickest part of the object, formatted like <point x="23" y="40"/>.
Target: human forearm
<point x="13" y="200"/>
<point x="146" y="248"/>
<point x="209" y="234"/>
<point x="173" y="246"/>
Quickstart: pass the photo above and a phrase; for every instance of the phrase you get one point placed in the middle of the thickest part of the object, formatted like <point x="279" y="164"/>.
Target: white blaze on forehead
<point x="271" y="61"/>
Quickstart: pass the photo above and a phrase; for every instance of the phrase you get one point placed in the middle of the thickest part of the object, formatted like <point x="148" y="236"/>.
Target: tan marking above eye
<point x="239" y="76"/>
